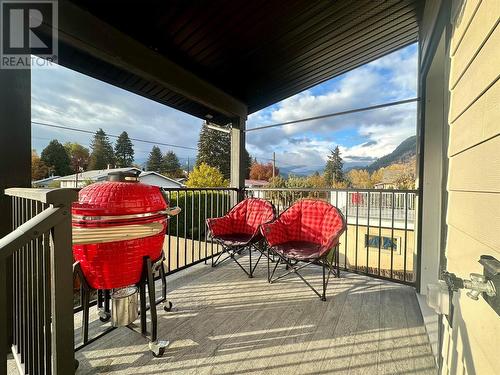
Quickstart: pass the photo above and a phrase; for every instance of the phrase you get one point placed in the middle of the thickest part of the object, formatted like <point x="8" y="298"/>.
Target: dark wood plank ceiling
<point x="259" y="51"/>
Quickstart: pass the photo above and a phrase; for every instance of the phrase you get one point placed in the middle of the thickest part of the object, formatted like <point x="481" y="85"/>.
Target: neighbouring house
<point x="389" y="179"/>
<point x="147" y="177"/>
<point x="256" y="183"/>
<point x="44" y="182"/>
<point x="181" y="180"/>
<point x="255" y="186"/>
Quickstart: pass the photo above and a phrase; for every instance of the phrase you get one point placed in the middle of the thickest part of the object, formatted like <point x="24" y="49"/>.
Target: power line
<point x="335" y="114"/>
<point x="110" y="135"/>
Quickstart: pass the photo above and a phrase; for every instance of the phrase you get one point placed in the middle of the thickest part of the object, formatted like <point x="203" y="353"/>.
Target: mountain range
<point x="401" y="154"/>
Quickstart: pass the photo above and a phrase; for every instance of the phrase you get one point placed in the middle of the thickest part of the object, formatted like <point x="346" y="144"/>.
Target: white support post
<point x="237" y="156"/>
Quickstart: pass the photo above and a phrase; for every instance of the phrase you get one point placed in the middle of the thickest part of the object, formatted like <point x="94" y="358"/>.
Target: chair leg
<point x="323" y="297"/>
<point x="338" y="261"/>
<point x="250" y="274"/>
<point x="268" y="267"/>
<point x="294" y="268"/>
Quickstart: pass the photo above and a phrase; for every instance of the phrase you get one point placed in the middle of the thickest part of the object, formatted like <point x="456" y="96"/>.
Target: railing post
<point x="62" y="297"/>
<point x="15" y="170"/>
<point x="4" y="346"/>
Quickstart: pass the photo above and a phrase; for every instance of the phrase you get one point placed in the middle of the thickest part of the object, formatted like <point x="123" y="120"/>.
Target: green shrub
<point x="196" y="207"/>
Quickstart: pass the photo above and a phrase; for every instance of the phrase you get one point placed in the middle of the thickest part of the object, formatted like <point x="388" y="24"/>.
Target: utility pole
<point x="188" y="167"/>
<point x="274" y="164"/>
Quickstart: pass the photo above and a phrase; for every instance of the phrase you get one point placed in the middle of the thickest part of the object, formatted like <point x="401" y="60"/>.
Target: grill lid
<point x="117" y="198"/>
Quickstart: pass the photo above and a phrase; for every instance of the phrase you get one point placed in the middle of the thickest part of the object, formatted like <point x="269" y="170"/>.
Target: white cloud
<point x="65" y="97"/>
<point x="370" y="134"/>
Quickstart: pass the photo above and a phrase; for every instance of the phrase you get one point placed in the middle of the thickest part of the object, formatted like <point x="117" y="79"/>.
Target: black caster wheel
<point x="76" y="364"/>
<point x="158" y="348"/>
<point x="167" y="306"/>
<point x="104" y="316"/>
<point x="160" y="353"/>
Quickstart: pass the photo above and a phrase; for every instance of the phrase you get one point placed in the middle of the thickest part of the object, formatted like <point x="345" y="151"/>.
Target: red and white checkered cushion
<point x="244" y="218"/>
<point x="308" y="220"/>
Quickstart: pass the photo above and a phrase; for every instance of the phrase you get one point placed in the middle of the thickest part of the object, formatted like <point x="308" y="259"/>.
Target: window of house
<point x="386" y="243"/>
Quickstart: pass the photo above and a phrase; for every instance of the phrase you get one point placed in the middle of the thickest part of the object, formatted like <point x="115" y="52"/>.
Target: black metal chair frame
<point x="294" y="266"/>
<point x="233" y="251"/>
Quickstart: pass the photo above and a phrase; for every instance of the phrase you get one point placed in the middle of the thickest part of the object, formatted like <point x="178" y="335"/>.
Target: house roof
<point x="256" y="182"/>
<point x="47" y="179"/>
<point x="226" y="58"/>
<point x="95" y="174"/>
<point x="173" y="180"/>
<point x="98" y="174"/>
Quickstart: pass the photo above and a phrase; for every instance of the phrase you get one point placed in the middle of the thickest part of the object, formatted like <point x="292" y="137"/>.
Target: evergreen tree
<point x="124" y="151"/>
<point x="171" y="166"/>
<point x="214" y="149"/>
<point x="79" y="156"/>
<point x="155" y="159"/>
<point x="56" y="158"/>
<point x="333" y="168"/>
<point x="102" y="153"/>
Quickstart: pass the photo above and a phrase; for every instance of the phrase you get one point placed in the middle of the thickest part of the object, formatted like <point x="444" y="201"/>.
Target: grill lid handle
<point x="124" y="176"/>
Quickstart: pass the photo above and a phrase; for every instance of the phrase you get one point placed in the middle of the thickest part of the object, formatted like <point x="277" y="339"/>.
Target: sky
<point x="64" y="97"/>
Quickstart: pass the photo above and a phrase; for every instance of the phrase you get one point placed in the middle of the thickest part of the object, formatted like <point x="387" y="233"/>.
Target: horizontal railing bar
<point x="55" y="197"/>
<point x="227" y="189"/>
<point x="30" y="230"/>
<point x="350" y="190"/>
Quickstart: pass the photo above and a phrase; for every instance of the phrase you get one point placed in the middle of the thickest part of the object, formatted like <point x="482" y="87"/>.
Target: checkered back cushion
<point x="246" y="217"/>
<point x="307" y="220"/>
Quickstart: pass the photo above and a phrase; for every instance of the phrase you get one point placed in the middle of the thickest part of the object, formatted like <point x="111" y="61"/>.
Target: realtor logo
<point x="28" y="33"/>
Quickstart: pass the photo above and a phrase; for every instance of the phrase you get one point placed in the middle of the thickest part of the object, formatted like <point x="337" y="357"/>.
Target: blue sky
<point x="64" y="97"/>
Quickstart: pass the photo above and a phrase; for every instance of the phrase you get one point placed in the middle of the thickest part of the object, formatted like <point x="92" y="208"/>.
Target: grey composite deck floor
<point x="225" y="323"/>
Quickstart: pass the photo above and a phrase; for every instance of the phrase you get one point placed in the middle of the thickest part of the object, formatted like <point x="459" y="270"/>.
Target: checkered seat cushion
<point x="241" y="225"/>
<point x="306" y="230"/>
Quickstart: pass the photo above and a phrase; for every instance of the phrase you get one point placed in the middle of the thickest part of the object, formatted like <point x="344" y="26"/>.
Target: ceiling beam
<point x="85" y="32"/>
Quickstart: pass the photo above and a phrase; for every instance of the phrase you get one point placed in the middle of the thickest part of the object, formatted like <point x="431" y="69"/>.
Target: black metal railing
<point x="379" y="240"/>
<point x="186" y="241"/>
<point x="36" y="256"/>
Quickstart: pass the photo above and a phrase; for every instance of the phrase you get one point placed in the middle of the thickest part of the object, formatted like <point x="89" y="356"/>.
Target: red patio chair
<point x="306" y="232"/>
<point x="240" y="229"/>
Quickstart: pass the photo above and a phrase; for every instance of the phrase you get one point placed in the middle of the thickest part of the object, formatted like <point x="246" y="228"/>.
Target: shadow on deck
<point x="226" y="323"/>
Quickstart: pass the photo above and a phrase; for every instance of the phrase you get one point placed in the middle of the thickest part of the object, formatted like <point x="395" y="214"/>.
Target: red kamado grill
<point x="118" y="232"/>
<point x="115" y="225"/>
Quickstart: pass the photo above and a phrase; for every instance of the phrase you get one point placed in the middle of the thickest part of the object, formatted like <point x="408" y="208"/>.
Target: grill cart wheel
<point x="158" y="347"/>
<point x="104" y="316"/>
<point x="167" y="306"/>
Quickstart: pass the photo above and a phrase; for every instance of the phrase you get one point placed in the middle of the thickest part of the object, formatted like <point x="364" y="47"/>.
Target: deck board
<point x="225" y="323"/>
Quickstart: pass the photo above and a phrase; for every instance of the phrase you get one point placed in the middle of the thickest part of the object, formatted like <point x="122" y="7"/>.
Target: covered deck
<point x="218" y="64"/>
<point x="225" y="323"/>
